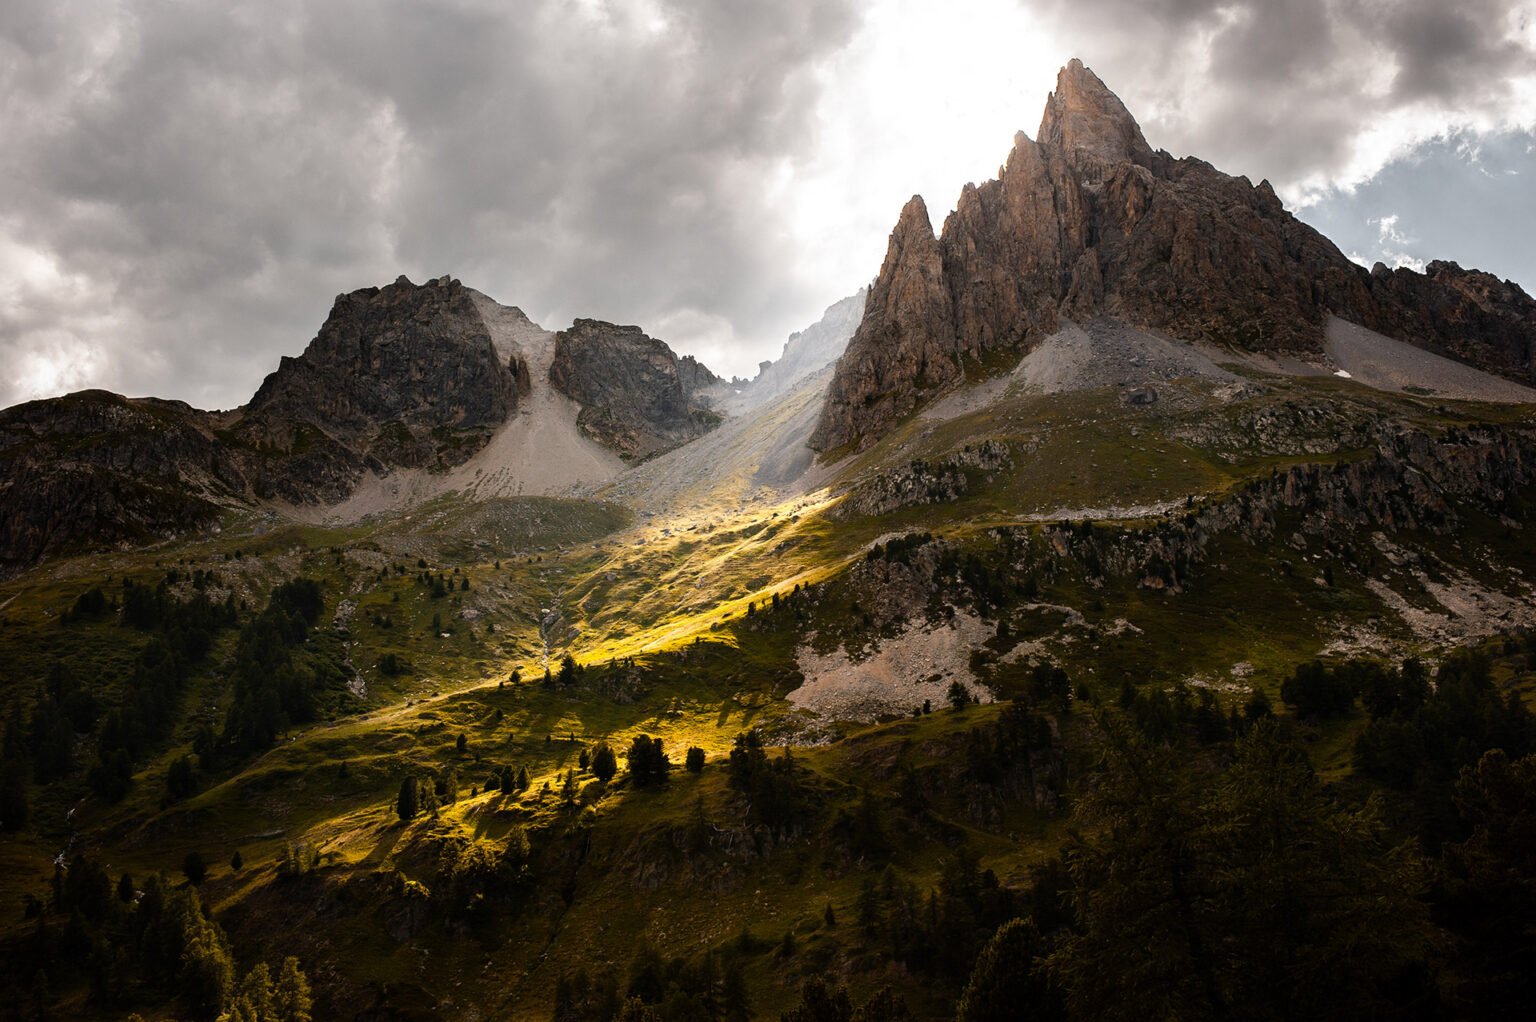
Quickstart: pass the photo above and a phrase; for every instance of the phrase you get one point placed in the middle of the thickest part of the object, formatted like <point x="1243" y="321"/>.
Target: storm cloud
<point x="1312" y="94"/>
<point x="184" y="187"/>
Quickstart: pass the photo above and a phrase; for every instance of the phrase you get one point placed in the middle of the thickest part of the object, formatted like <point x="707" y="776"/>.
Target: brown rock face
<point x="638" y="397"/>
<point x="905" y="346"/>
<point x="1089" y="220"/>
<point x="1467" y="314"/>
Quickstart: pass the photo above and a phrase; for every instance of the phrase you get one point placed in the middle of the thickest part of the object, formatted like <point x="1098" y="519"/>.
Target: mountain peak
<point x="1082" y="114"/>
<point x="1088" y="221"/>
<point x="914" y="220"/>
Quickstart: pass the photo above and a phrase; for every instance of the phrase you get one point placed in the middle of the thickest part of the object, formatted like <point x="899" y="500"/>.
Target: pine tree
<point x="604" y="763"/>
<point x="1007" y="981"/>
<point x="294" y="1003"/>
<point x="958" y="695"/>
<point x="194" y="869"/>
<point x="408" y="803"/>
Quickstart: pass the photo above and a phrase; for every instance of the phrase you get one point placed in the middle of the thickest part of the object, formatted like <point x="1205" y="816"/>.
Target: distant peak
<point x="1082" y="114"/>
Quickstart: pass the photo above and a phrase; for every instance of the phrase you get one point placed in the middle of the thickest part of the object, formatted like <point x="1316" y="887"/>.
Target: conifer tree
<point x="604" y="763"/>
<point x="408" y="802"/>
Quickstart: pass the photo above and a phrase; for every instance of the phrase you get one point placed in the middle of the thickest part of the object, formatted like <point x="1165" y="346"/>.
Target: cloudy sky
<point x="185" y="185"/>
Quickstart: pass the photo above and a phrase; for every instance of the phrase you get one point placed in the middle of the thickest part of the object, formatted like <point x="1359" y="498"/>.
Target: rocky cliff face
<point x="638" y="397"/>
<point x="1468" y="314"/>
<point x="94" y="466"/>
<point x="403" y="376"/>
<point x="1088" y="220"/>
<point x="905" y="348"/>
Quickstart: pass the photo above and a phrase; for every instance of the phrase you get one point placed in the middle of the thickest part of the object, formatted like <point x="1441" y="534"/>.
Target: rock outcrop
<point x="1467" y="314"/>
<point x="97" y="467"/>
<point x="403" y="376"/>
<point x="638" y="398"/>
<point x="1088" y="219"/>
<point x="906" y="347"/>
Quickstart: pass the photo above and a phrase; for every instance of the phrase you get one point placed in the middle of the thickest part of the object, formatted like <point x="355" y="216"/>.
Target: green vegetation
<point x="539" y="757"/>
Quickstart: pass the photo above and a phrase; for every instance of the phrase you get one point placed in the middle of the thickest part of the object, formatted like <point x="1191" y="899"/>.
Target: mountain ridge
<point x="400" y="381"/>
<point x="1088" y="220"/>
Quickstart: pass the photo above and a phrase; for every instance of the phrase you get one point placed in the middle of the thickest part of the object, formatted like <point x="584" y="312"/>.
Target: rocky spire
<point x="1088" y="220"/>
<point x="905" y="343"/>
<point x="1083" y="115"/>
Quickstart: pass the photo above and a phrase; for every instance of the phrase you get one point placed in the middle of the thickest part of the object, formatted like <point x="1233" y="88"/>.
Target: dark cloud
<point x="188" y="185"/>
<point x="1285" y="88"/>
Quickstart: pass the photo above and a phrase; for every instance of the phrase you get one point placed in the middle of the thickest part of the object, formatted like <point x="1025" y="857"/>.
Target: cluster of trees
<point x="703" y="988"/>
<point x="475" y="878"/>
<point x="991" y="752"/>
<point x="822" y="1003"/>
<point x="183" y="634"/>
<point x="64" y="709"/>
<point x="569" y="673"/>
<point x="147" y="944"/>
<point x="1241" y="886"/>
<point x="1164" y="713"/>
<point x="1422" y="736"/>
<point x="439" y="586"/>
<point x="507" y="779"/>
<point x="276" y="680"/>
<point x="426" y="794"/>
<point x="777" y="793"/>
<point x="647" y="761"/>
<point x="260" y="998"/>
<point x="89" y="605"/>
<point x="1198" y="894"/>
<point x="1316" y="690"/>
<point x="939" y="931"/>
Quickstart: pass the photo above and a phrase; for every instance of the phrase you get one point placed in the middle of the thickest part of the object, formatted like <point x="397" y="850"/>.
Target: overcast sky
<point x="185" y="185"/>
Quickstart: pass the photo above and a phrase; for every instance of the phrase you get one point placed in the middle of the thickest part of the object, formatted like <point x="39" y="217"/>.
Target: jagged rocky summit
<point x="1087" y="219"/>
<point x="812" y="349"/>
<point x="638" y="397"/>
<point x="406" y="377"/>
<point x="403" y="376"/>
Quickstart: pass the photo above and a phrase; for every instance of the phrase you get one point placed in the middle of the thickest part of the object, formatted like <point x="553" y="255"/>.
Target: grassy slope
<point x="670" y="595"/>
